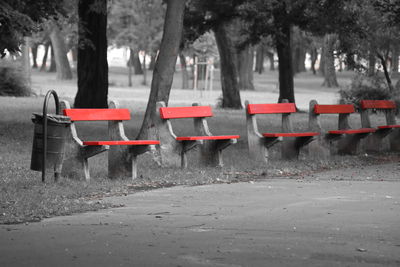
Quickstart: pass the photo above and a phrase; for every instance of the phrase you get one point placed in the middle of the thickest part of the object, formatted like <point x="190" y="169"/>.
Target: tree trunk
<point x="144" y="69"/>
<point x="44" y="60"/>
<point x="92" y="59"/>
<point x="395" y="60"/>
<point x="301" y="59"/>
<point x="34" y="50"/>
<point x="62" y="64"/>
<point x="25" y="62"/>
<point x="136" y="63"/>
<point x="185" y="75"/>
<point x="283" y="47"/>
<point x="386" y="72"/>
<point x="53" y="66"/>
<point x="371" y="63"/>
<point x="329" y="66"/>
<point x="260" y="59"/>
<point x="130" y="66"/>
<point x="165" y="65"/>
<point x="152" y="60"/>
<point x="321" y="68"/>
<point x="270" y="56"/>
<point x="245" y="68"/>
<point x="229" y="75"/>
<point x="314" y="57"/>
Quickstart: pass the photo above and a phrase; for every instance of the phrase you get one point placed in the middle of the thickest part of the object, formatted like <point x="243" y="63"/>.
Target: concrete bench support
<point x="345" y="140"/>
<point x="122" y="157"/>
<point x="259" y="144"/>
<point x="389" y="132"/>
<point x="174" y="148"/>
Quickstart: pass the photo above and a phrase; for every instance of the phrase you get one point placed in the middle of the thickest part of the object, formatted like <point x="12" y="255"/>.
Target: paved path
<point x="353" y="220"/>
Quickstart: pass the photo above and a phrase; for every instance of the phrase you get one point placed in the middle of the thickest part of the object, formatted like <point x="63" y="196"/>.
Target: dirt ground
<point x="347" y="217"/>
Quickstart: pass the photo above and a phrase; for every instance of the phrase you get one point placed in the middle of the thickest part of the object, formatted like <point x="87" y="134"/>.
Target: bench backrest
<point x="91" y="114"/>
<point x="185" y="112"/>
<point x="334" y="109"/>
<point x="271" y="108"/>
<point x="377" y="104"/>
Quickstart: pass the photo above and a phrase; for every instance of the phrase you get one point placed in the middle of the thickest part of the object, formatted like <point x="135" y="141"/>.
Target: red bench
<point x="174" y="148"/>
<point x="348" y="139"/>
<point x="259" y="143"/>
<point x="122" y="153"/>
<point x="391" y="129"/>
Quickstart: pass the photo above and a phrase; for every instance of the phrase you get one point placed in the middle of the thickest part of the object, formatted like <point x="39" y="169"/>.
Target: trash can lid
<point x="36" y="117"/>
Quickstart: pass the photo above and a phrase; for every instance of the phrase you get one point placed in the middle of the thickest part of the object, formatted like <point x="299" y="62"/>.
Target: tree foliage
<point x="136" y="24"/>
<point x="19" y="18"/>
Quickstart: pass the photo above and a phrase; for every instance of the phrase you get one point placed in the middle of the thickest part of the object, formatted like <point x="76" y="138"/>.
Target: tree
<point x="165" y="65"/>
<point x="221" y="17"/>
<point x="329" y="71"/>
<point x="276" y="18"/>
<point x="92" y="55"/>
<point x="137" y="24"/>
<point x="379" y="35"/>
<point x="60" y="54"/>
<point x="19" y="18"/>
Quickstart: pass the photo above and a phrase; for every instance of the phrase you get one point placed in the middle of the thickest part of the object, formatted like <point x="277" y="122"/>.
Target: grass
<point x="24" y="198"/>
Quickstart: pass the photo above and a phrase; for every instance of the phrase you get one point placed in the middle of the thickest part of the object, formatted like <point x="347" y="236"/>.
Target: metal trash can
<point x="55" y="128"/>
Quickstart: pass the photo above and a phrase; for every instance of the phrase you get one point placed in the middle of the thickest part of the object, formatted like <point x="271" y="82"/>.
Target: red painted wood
<point x="185" y="112"/>
<point x="378" y="104"/>
<point x="326" y="109"/>
<point x="216" y="137"/>
<point x="290" y="134"/>
<point x="388" y="126"/>
<point x="130" y="142"/>
<point x="353" y="131"/>
<point x="271" y="108"/>
<point x="92" y="114"/>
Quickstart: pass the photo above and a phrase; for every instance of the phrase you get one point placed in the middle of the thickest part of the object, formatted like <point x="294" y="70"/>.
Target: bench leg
<point x="73" y="167"/>
<point x="374" y="142"/>
<point x="394" y="140"/>
<point x="291" y="146"/>
<point x="349" y="144"/>
<point x="134" y="167"/>
<point x="170" y="154"/>
<point x="185" y="146"/>
<point x="318" y="149"/>
<point x="210" y="155"/>
<point x="258" y="148"/>
<point x="290" y="150"/>
<point x="119" y="162"/>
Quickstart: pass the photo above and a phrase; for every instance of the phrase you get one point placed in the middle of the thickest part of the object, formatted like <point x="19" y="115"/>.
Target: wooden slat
<point x="378" y="104"/>
<point x="334" y="109"/>
<point x="92" y="114"/>
<point x="185" y="112"/>
<point x="216" y="137"/>
<point x="130" y="142"/>
<point x="290" y="134"/>
<point x="388" y="126"/>
<point x="353" y="131"/>
<point x="271" y="108"/>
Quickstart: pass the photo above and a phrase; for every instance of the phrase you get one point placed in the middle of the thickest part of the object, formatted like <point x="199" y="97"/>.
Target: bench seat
<point x="206" y="137"/>
<point x="353" y="131"/>
<point x="115" y="143"/>
<point x="290" y="134"/>
<point x="388" y="126"/>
